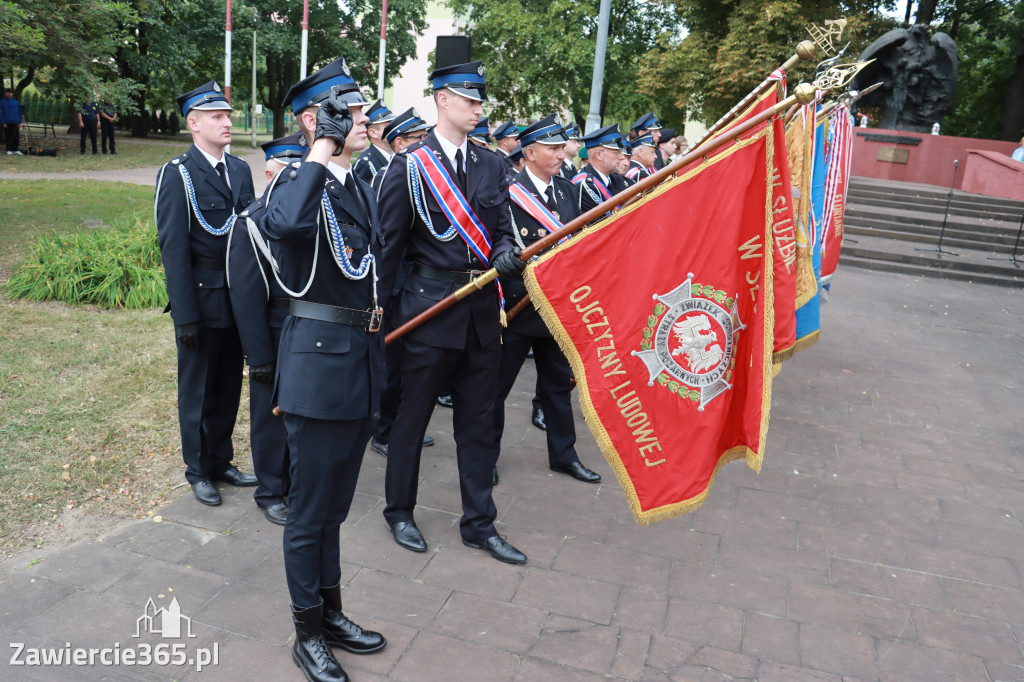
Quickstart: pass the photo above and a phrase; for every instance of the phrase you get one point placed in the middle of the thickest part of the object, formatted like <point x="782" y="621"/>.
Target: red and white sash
<point x="526" y="200"/>
<point x="452" y="202"/>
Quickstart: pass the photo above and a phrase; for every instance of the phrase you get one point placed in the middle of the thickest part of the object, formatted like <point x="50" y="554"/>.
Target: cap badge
<point x="480" y="70"/>
<point x="216" y="88"/>
<point x="345" y="70"/>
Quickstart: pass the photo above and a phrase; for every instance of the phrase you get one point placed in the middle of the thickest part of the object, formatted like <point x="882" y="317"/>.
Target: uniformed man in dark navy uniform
<point x="625" y="160"/>
<point x="377" y="155"/>
<point x="518" y="162"/>
<point x="543" y="145"/>
<point x="322" y="224"/>
<point x="481" y="135"/>
<point x="641" y="164"/>
<point x="260" y="306"/>
<point x="461" y="346"/>
<point x="648" y="123"/>
<point x="572" y="148"/>
<point x="506" y="136"/>
<point x="599" y="181"/>
<point x="407" y="129"/>
<point x="198" y="196"/>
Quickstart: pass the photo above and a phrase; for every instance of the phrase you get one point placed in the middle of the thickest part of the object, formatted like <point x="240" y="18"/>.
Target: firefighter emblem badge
<point x="689" y="342"/>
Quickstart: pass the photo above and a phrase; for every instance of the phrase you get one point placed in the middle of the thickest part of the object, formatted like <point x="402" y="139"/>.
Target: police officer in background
<point x="461" y="346"/>
<point x="506" y="136"/>
<point x="536" y="188"/>
<point x="598" y="181"/>
<point x="666" y="147"/>
<point x="108" y="115"/>
<point x="198" y="195"/>
<point x="260" y="306"/>
<point x="88" y="119"/>
<point x="377" y="155"/>
<point x="321" y="221"/>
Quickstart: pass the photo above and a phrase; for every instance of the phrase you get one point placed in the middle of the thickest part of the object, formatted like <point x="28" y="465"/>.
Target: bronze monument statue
<point x="918" y="75"/>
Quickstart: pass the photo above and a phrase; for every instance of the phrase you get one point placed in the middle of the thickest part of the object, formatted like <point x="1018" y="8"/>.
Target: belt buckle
<point x="473" y="274"/>
<point x="376" y="315"/>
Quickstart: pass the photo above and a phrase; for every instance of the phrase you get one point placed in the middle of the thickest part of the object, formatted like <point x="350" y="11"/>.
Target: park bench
<point x="43" y="126"/>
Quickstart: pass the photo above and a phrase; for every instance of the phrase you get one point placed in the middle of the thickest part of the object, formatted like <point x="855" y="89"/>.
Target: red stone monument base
<point x="928" y="159"/>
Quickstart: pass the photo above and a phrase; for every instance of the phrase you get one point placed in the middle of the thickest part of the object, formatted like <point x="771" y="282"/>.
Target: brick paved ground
<point x="881" y="541"/>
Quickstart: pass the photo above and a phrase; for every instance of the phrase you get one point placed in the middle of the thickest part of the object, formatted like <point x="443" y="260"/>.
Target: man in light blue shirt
<point x="1018" y="153"/>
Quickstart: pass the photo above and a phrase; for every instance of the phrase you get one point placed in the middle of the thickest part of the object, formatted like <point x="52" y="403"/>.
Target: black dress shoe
<point x="276" y="513"/>
<point x="538" y="419"/>
<point x="233" y="476"/>
<point x="382" y="448"/>
<point x="494" y="476"/>
<point x="444" y="400"/>
<point x="499" y="549"/>
<point x="341" y="632"/>
<point x="408" y="535"/>
<point x="427" y="441"/>
<point x="579" y="472"/>
<point x="206" y="493"/>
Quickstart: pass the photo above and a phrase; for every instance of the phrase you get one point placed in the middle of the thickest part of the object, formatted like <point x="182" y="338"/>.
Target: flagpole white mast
<point x="383" y="44"/>
<point x="227" y="54"/>
<point x="594" y="117"/>
<point x="305" y="38"/>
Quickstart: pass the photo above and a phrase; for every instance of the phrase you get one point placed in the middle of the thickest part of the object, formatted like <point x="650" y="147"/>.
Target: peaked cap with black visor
<point x="545" y="131"/>
<point x="462" y="79"/>
<point x="333" y="79"/>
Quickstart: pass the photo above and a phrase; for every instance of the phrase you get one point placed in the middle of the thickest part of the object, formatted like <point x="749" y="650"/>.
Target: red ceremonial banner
<point x="664" y="310"/>
<point x="783" y="231"/>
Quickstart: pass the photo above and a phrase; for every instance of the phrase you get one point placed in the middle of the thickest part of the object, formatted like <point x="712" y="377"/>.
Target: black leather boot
<point x="339" y="631"/>
<point x="310" y="652"/>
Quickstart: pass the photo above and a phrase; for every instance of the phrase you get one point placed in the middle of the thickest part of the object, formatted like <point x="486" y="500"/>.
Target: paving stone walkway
<point x="881" y="541"/>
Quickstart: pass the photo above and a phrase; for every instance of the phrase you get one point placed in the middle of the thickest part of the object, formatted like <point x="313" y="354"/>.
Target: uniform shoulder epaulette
<point x="178" y="159"/>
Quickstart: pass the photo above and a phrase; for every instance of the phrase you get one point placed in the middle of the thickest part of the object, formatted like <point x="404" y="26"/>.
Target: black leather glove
<point x="508" y="263"/>
<point x="189" y="335"/>
<point x="333" y="120"/>
<point x="263" y="374"/>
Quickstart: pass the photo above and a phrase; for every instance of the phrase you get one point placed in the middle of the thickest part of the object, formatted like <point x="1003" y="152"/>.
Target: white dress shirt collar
<point x="449" y="148"/>
<point x="214" y="161"/>
<point x="338" y="171"/>
<point x="541" y="186"/>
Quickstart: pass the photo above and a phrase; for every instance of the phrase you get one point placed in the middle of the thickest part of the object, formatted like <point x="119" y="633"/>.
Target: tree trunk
<point x="910" y="8"/>
<point x="925" y="11"/>
<point x="30" y="75"/>
<point x="1012" y="125"/>
<point x="139" y="123"/>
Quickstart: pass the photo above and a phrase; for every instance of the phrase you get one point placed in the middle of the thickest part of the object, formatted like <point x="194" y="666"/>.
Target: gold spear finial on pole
<point x="838" y="77"/>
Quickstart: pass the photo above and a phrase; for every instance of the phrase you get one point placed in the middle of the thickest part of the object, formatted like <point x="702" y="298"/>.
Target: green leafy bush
<point x="116" y="267"/>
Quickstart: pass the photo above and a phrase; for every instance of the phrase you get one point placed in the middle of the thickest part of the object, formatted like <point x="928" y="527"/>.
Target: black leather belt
<point x="453" y="276"/>
<point x="365" y="319"/>
<point x="207" y="263"/>
<point x="280" y="303"/>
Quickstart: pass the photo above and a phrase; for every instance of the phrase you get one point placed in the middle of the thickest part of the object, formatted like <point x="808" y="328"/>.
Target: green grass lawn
<point x="87" y="396"/>
<point x="131" y="153"/>
<point x="32" y="207"/>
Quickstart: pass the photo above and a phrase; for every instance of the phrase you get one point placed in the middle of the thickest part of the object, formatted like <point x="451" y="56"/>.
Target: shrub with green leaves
<point x="116" y="267"/>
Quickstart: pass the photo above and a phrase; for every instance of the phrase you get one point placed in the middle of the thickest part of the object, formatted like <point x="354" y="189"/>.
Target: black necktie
<point x="551" y="204"/>
<point x="460" y="169"/>
<point x="223" y="173"/>
<point x="350" y="185"/>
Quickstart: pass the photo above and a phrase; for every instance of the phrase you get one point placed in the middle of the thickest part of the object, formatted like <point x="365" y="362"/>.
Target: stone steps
<point x="895" y="227"/>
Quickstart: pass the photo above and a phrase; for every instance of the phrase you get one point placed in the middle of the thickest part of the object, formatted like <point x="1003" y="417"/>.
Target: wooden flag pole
<point x="802" y="93"/>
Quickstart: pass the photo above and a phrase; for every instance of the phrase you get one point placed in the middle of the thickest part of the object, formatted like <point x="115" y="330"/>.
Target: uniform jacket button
<point x="200" y="285"/>
<point x="319" y="344"/>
